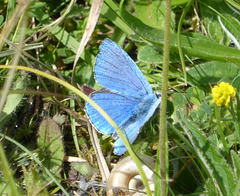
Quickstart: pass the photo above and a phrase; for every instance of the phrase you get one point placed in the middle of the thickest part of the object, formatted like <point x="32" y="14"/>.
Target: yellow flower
<point x="222" y="93"/>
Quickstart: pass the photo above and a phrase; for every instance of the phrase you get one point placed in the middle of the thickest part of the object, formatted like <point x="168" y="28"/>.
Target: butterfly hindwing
<point x="118" y="107"/>
<point x="132" y="125"/>
<point x="129" y="113"/>
<point x="115" y="70"/>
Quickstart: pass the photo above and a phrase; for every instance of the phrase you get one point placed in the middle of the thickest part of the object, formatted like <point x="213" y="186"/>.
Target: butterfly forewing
<point x="115" y="70"/>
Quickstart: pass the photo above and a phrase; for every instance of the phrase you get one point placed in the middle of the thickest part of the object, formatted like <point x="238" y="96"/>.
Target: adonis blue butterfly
<point x="127" y="97"/>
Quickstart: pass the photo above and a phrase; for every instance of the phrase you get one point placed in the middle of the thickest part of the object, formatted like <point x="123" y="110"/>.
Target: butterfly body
<point x="127" y="97"/>
<point x="142" y="112"/>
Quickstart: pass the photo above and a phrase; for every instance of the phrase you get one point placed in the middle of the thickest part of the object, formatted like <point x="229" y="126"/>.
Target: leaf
<point x="153" y="54"/>
<point x="155" y="16"/>
<point x="194" y="44"/>
<point x="51" y="145"/>
<point x="231" y="25"/>
<point x="220" y="21"/>
<point x="85" y="169"/>
<point x="178" y="2"/>
<point x="236" y="164"/>
<point x="149" y="54"/>
<point x="13" y="100"/>
<point x="195" y="95"/>
<point x="213" y="72"/>
<point x="236" y="169"/>
<point x="179" y="101"/>
<point x="236" y="83"/>
<point x="33" y="182"/>
<point x="211" y="23"/>
<point x="211" y="159"/>
<point x="214" y="29"/>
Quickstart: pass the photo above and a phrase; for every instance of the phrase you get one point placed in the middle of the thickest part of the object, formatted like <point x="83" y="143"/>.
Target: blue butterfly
<point x="127" y="97"/>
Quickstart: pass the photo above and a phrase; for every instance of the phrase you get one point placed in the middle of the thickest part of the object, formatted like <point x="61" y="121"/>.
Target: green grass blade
<point x="195" y="45"/>
<point x="111" y="11"/>
<point x="8" y="174"/>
